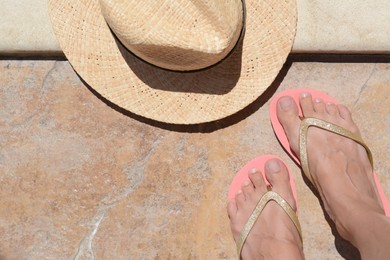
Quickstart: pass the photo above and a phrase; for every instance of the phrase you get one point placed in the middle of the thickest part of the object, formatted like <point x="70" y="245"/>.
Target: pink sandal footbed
<point x="282" y="137"/>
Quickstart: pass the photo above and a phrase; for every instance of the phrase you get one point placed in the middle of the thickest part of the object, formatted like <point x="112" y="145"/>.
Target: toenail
<point x="273" y="166"/>
<point x="286" y="103"/>
<point x="304" y="94"/>
<point x="253" y="171"/>
<point x="239" y="192"/>
<point x="317" y="100"/>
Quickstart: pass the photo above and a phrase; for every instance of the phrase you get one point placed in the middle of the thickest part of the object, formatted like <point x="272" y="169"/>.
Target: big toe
<point x="288" y="116"/>
<point x="277" y="174"/>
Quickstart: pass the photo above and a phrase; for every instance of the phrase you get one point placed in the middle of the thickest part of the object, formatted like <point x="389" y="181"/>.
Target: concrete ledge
<point x="348" y="26"/>
<point x="26" y="28"/>
<point x="323" y="27"/>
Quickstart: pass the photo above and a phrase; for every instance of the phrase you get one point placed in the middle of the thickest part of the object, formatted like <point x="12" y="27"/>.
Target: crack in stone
<point x="364" y="86"/>
<point x="43" y="86"/>
<point x="86" y="245"/>
<point x="140" y="171"/>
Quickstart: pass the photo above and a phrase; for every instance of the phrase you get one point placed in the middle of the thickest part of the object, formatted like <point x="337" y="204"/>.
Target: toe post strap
<point x="307" y="122"/>
<point x="268" y="196"/>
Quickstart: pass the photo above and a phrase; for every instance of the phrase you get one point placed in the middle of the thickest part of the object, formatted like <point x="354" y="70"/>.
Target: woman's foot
<point x="274" y="235"/>
<point x="339" y="167"/>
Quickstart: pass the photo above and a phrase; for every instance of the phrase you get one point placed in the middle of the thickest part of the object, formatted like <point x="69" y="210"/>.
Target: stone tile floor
<point x="81" y="179"/>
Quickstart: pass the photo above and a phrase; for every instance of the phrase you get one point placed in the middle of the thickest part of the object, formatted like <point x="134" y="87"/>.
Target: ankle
<point x="360" y="224"/>
<point x="373" y="240"/>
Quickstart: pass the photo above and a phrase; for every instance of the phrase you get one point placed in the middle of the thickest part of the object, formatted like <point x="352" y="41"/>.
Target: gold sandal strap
<point x="268" y="196"/>
<point x="309" y="121"/>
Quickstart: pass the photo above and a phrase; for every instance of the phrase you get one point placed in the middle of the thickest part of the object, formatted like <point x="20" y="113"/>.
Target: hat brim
<point x="169" y="96"/>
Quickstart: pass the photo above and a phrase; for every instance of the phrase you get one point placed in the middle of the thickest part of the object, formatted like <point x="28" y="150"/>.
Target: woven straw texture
<point x="169" y="96"/>
<point x="178" y="34"/>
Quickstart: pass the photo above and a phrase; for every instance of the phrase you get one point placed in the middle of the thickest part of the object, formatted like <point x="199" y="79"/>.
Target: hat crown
<point x="176" y="34"/>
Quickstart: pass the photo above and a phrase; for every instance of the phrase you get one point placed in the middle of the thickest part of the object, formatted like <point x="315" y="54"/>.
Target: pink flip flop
<point x="236" y="185"/>
<point x="282" y="137"/>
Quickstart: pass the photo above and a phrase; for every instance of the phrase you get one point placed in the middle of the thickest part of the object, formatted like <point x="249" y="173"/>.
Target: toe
<point x="277" y="174"/>
<point x="240" y="199"/>
<point x="257" y="179"/>
<point x="306" y="102"/>
<point x="287" y="108"/>
<point x="232" y="208"/>
<point x="331" y="109"/>
<point x="288" y="116"/>
<point x="247" y="188"/>
<point x="344" y="112"/>
<point x="319" y="105"/>
<point x="346" y="115"/>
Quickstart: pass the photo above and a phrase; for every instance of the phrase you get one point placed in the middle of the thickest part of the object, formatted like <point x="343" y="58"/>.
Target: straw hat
<point x="176" y="61"/>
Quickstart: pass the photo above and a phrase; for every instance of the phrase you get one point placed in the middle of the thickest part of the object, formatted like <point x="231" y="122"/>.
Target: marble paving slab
<point x="347" y="26"/>
<point x="81" y="180"/>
